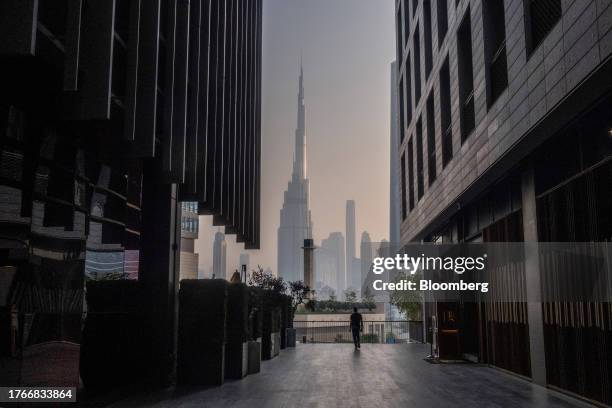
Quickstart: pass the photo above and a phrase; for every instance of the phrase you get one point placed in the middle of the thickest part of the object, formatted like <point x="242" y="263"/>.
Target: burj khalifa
<point x="295" y="218"/>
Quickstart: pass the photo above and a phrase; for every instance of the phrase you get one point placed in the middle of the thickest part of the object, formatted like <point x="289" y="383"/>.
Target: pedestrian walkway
<point x="334" y="375"/>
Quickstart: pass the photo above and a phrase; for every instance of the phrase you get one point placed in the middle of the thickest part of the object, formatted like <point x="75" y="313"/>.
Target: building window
<point x="540" y="18"/>
<point x="442" y="10"/>
<point x="417" y="65"/>
<point x="401" y="109"/>
<point x="410" y="175"/>
<point x="403" y="180"/>
<point x="466" y="77"/>
<point x="445" y="114"/>
<point x="415" y="4"/>
<point x="427" y="36"/>
<point x="431" y="139"/>
<point x="399" y="36"/>
<point x="419" y="159"/>
<point x="408" y="92"/>
<point x="495" y="49"/>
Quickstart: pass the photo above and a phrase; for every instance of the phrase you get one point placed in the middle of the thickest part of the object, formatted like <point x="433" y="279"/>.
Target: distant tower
<point x="330" y="263"/>
<point x="350" y="243"/>
<point x="366" y="255"/>
<point x="309" y="262"/>
<point x="244" y="260"/>
<point x="244" y="265"/>
<point x="295" y="221"/>
<point x="219" y="256"/>
<point x="394" y="195"/>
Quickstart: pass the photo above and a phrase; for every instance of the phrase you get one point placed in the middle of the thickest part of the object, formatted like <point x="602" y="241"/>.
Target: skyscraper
<point x="481" y="161"/>
<point x="125" y="109"/>
<point x="330" y="263"/>
<point x="366" y="253"/>
<point x="244" y="260"/>
<point x="295" y="220"/>
<point x="351" y="280"/>
<point x="219" y="256"/>
<point x="394" y="201"/>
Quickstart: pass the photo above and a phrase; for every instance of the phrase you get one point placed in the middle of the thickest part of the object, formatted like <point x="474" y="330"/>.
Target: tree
<point x="367" y="296"/>
<point x="350" y="296"/>
<point x="261" y="279"/>
<point x="410" y="302"/>
<point x="332" y="295"/>
<point x="299" y="293"/>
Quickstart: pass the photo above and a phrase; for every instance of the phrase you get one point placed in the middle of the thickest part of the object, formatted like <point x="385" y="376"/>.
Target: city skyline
<point x="348" y="118"/>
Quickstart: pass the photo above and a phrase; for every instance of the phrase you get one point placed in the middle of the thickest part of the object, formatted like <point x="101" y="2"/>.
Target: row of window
<point x="190" y="206"/>
<point x="541" y="17"/>
<point x="189" y="224"/>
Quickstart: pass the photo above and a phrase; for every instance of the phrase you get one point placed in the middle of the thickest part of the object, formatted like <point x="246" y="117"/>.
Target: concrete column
<point x="532" y="277"/>
<point x="159" y="271"/>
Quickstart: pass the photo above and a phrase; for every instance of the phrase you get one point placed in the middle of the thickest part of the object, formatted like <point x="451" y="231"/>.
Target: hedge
<point x="237" y="332"/>
<point x="114" y="342"/>
<point x="202" y="330"/>
<point x="272" y="304"/>
<point x="121" y="296"/>
<point x="255" y="323"/>
<point x="286" y="319"/>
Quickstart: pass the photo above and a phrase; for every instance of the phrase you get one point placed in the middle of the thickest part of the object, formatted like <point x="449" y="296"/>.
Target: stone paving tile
<point x="380" y="376"/>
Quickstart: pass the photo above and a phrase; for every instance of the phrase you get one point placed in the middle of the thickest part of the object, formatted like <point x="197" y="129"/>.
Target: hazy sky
<point x="347" y="46"/>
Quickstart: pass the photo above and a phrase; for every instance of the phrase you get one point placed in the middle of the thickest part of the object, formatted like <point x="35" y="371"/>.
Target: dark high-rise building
<point x="330" y="263"/>
<point x="111" y="113"/>
<point x="366" y="255"/>
<point x="353" y="274"/>
<point x="394" y="167"/>
<point x="512" y="141"/>
<point x="295" y="220"/>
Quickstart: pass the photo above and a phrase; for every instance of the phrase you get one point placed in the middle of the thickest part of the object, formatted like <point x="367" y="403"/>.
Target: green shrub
<point x="202" y="329"/>
<point x="115" y="335"/>
<point x="335" y="306"/>
<point x="255" y="317"/>
<point x="286" y="310"/>
<point x="237" y="312"/>
<point x="237" y="333"/>
<point x="272" y="304"/>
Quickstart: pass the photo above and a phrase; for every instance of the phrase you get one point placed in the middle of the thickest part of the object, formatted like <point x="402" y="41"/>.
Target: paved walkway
<point x="333" y="375"/>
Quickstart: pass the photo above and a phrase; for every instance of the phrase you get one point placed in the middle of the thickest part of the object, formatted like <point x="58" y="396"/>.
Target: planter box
<point x="286" y="310"/>
<point x="276" y="343"/>
<point x="113" y="350"/>
<point x="115" y="338"/>
<point x="272" y="304"/>
<point x="236" y="360"/>
<point x="254" y="357"/>
<point x="255" y="314"/>
<point x="290" y="337"/>
<point x="236" y="351"/>
<point x="201" y="334"/>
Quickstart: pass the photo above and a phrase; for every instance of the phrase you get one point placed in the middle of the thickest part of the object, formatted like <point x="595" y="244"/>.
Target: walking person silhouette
<point x="356" y="327"/>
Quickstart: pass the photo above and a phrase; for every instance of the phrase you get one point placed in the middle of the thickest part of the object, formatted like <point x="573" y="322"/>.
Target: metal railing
<point x="381" y="332"/>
